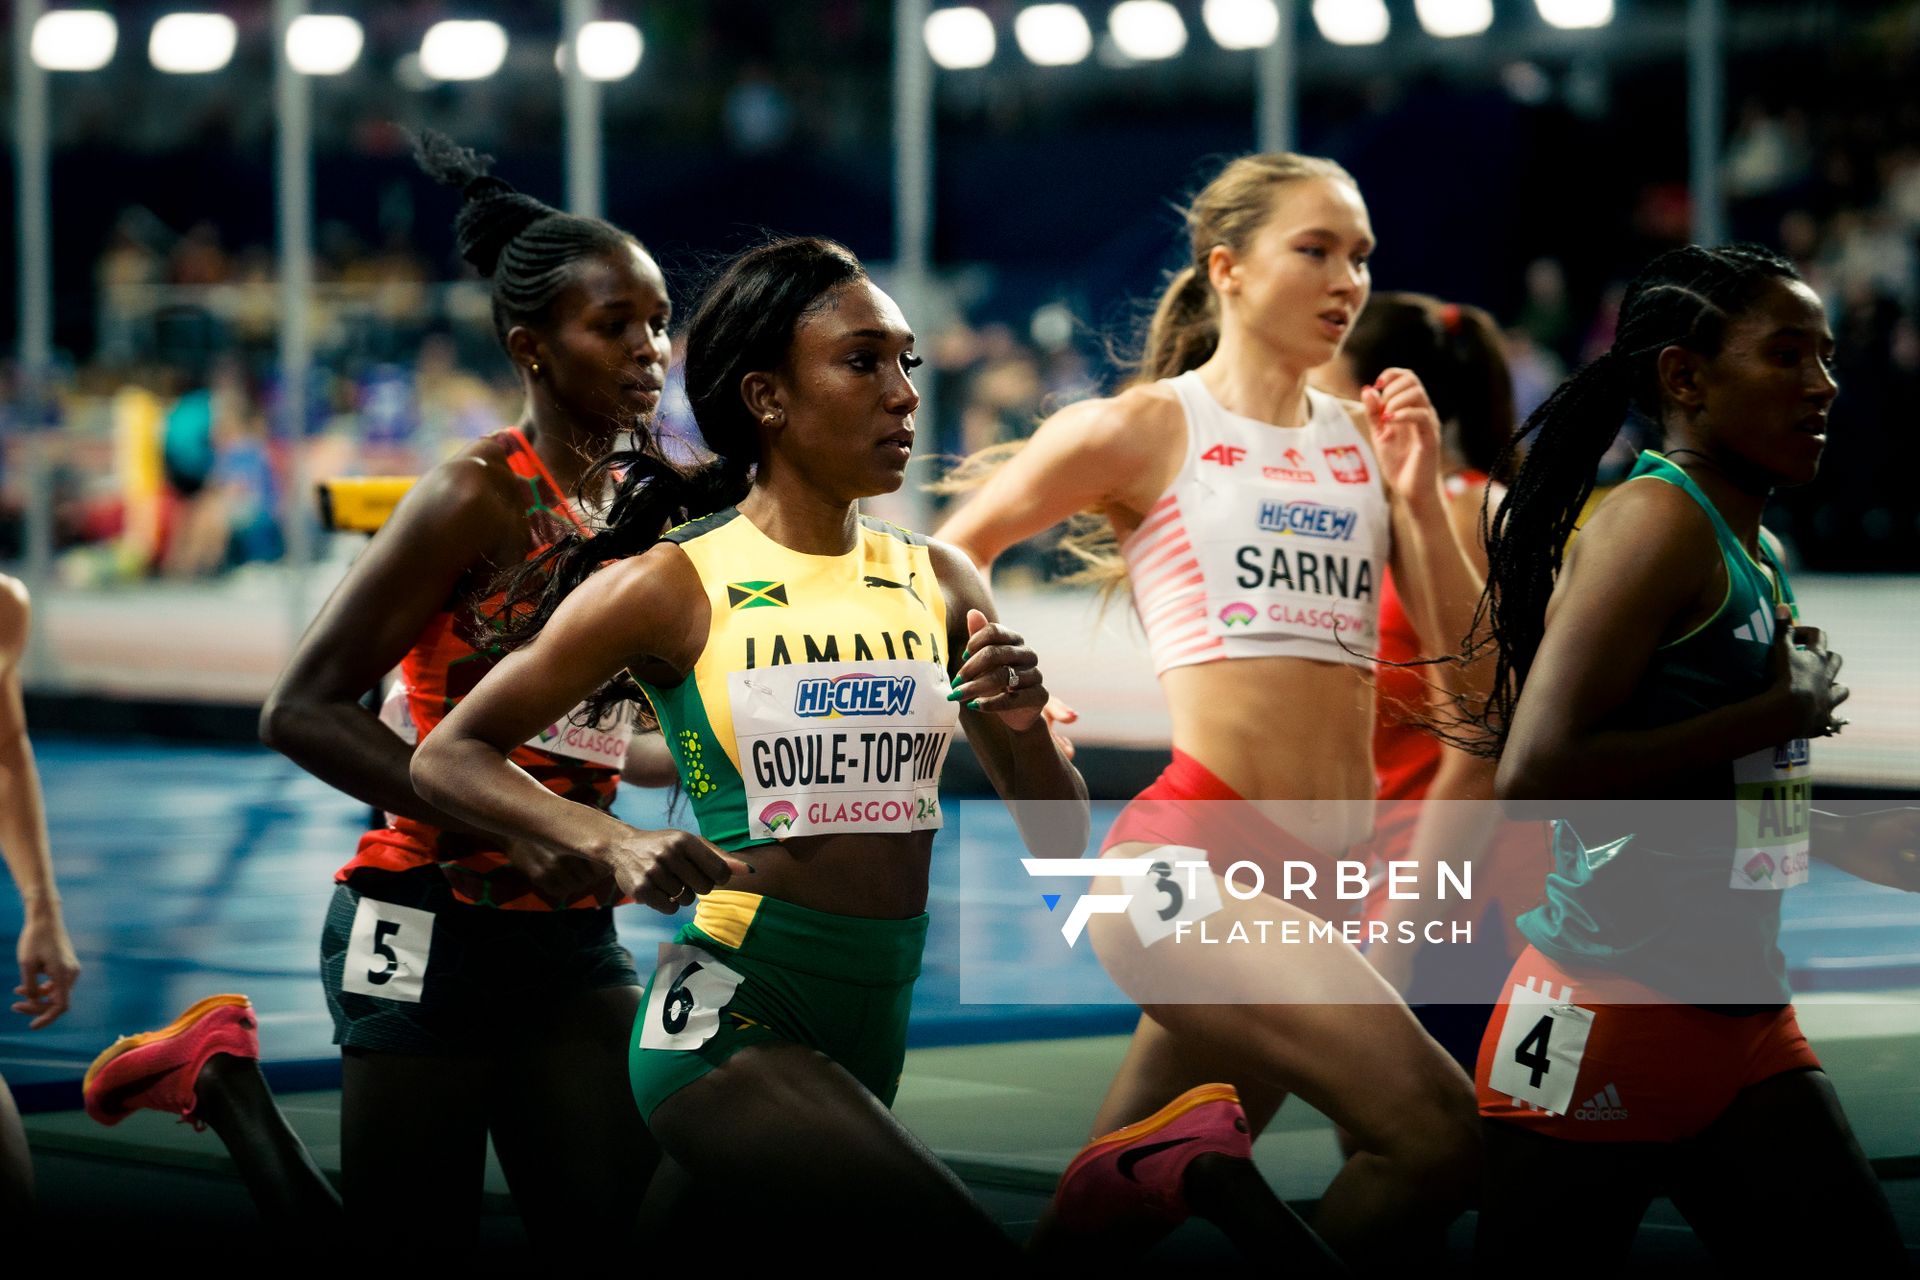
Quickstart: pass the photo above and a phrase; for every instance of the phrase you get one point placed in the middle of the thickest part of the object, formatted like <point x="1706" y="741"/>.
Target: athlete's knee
<point x="1435" y="1146"/>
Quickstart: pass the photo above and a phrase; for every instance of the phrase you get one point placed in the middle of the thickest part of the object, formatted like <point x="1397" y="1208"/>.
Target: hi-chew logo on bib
<point x="828" y="748"/>
<point x="856" y="694"/>
<point x="1309" y="520"/>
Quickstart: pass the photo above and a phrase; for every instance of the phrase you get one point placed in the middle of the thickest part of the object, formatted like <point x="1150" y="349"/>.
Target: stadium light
<point x="189" y="44"/>
<point x="1147" y="30"/>
<point x="456" y="50"/>
<point x="323" y="44"/>
<point x="1446" y="19"/>
<point x="74" y="40"/>
<point x="608" y="51"/>
<point x="1241" y="24"/>
<point x="1351" y="21"/>
<point x="1053" y="35"/>
<point x="1576" y="15"/>
<point x="960" y="39"/>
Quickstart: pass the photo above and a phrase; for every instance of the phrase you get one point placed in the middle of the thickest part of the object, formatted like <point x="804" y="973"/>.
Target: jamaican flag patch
<point x="756" y="595"/>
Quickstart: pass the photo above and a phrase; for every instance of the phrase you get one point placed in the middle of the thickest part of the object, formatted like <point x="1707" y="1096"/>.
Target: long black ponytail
<point x="1683" y="298"/>
<point x="744" y="323"/>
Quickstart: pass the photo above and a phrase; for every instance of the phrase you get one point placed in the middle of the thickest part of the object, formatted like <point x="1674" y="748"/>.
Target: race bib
<point x="689" y="990"/>
<point x="828" y="748"/>
<point x="1171" y="894"/>
<point x="1773" y="817"/>
<point x="387" y="951"/>
<point x="397" y="714"/>
<point x="1277" y="564"/>
<point x="605" y="746"/>
<point x="1542" y="1040"/>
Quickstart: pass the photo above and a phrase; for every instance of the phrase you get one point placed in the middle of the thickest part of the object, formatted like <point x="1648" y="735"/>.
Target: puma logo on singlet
<point x="906" y="586"/>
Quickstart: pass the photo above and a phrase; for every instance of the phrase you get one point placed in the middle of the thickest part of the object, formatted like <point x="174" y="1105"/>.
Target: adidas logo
<point x="1604" y="1105"/>
<point x="1758" y="627"/>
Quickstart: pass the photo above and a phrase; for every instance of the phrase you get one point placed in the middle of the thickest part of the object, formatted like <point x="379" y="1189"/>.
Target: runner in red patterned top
<point x="458" y="1020"/>
<point x="578" y="760"/>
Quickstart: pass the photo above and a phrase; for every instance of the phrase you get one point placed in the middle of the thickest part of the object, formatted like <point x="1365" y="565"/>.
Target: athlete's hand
<point x="1058" y="713"/>
<point x="48" y="968"/>
<point x="560" y="877"/>
<point x="667" y="869"/>
<point x="1406" y="433"/>
<point x="1805" y="676"/>
<point x="1000" y="674"/>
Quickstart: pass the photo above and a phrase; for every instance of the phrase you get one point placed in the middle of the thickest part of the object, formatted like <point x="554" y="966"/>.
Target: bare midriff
<point x="873" y="876"/>
<point x="1293" y="735"/>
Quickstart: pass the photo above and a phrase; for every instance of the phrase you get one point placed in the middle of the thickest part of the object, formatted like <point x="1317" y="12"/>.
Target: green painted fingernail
<point x="974" y="705"/>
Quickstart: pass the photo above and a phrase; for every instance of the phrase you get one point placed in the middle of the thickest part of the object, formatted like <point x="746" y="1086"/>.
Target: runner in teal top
<point x="1654" y="695"/>
<point x="1690" y="911"/>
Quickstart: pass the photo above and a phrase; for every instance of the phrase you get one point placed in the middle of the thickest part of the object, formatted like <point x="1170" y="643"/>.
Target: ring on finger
<point x="1013" y="679"/>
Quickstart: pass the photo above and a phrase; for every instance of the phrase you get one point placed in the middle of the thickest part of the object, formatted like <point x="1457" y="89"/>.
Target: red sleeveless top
<point x="582" y="764"/>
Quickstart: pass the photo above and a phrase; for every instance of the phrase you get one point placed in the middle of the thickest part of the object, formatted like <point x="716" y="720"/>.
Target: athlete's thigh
<point x="413" y="1145"/>
<point x="1553" y="1206"/>
<point x="570" y="1140"/>
<point x="1785" y="1146"/>
<point x="1309" y="1017"/>
<point x="1160" y="1066"/>
<point x="781" y="1134"/>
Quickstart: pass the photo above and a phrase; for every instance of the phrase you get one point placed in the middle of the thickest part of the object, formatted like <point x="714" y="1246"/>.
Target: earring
<point x="534" y="368"/>
<point x="770" y="418"/>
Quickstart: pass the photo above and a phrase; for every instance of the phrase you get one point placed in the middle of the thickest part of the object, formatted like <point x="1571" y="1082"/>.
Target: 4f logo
<point x="1227" y="455"/>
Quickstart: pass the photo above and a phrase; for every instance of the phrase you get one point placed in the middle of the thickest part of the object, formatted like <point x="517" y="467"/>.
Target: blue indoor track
<point x="190" y="869"/>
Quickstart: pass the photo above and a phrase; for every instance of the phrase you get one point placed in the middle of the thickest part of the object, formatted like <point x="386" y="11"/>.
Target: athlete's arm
<point x="1005" y="729"/>
<point x="48" y="966"/>
<point x="644" y="613"/>
<point x="1883" y="847"/>
<point x="448" y="527"/>
<point x="1646" y="564"/>
<point x="1089" y="456"/>
<point x="1439" y="582"/>
<point x="1458" y="814"/>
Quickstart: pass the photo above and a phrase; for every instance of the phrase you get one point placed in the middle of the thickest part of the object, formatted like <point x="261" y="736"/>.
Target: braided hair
<point x="745" y="322"/>
<point x="1684" y="298"/>
<point x="526" y="249"/>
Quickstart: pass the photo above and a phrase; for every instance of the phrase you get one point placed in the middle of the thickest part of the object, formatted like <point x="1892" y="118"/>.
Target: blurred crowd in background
<point x="1531" y="186"/>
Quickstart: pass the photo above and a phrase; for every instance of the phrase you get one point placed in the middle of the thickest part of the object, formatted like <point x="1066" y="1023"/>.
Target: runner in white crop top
<point x="1269" y="543"/>
<point x="1254" y="518"/>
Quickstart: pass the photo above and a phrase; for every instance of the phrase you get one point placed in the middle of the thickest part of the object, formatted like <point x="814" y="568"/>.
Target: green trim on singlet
<point x="1654" y="465"/>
